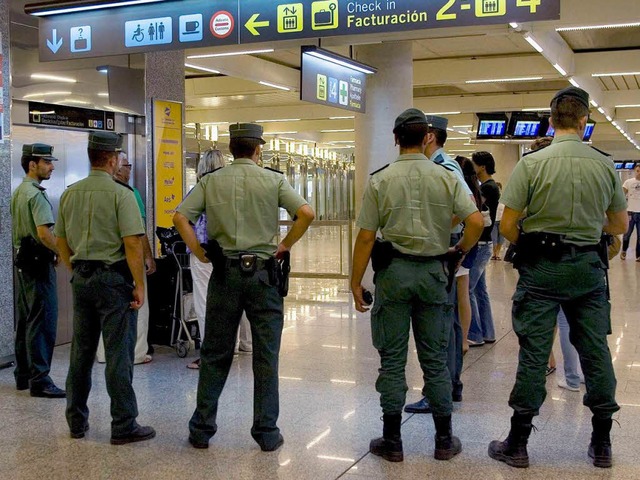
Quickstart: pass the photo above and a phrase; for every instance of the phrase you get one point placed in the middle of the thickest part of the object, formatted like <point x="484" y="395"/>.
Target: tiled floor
<point x="329" y="407"/>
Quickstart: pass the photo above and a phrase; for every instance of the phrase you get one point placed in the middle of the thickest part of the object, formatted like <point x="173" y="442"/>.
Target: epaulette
<point x="214" y="170"/>
<point x="123" y="184"/>
<point x="600" y="151"/>
<point x="445" y="167"/>
<point x="40" y="187"/>
<point x="380" y="169"/>
<point x="274" y="170"/>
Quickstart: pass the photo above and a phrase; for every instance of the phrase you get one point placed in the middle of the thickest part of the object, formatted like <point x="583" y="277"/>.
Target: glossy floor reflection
<point x="329" y="407"/>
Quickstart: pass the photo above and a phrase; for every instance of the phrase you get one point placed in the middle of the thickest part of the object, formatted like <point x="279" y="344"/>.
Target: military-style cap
<point x="411" y="116"/>
<point x="41" y="150"/>
<point x="246" y="130"/>
<point x="435" y="121"/>
<point x="578" y="93"/>
<point x="105" y="141"/>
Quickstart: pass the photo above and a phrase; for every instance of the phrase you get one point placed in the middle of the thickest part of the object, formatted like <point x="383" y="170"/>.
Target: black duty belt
<point x="573" y="249"/>
<point x="236" y="262"/>
<point x="417" y="258"/>
<point x="89" y="267"/>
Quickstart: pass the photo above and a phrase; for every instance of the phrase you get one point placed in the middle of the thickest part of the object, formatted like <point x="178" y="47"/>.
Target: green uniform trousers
<point x="101" y="304"/>
<point x="228" y="295"/>
<point x="412" y="293"/>
<point x="576" y="283"/>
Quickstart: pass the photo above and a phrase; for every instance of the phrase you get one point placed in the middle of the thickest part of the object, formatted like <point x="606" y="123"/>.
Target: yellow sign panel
<point x="324" y="15"/>
<point x="290" y="18"/>
<point x="168" y="160"/>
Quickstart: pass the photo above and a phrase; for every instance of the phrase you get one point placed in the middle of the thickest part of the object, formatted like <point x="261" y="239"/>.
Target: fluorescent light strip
<point x="103" y="94"/>
<point x="543" y="109"/>
<point x="458" y="138"/>
<point x="442" y="113"/>
<point x="341" y="118"/>
<point x="279" y="120"/>
<point x="574" y="83"/>
<point x="505" y="80"/>
<point x="337" y="61"/>
<point x="533" y="43"/>
<point x="560" y="70"/>
<point x="628" y="106"/>
<point x="601" y="110"/>
<point x="462" y="126"/>
<point x="615" y="74"/>
<point x="633" y="120"/>
<point x="44" y="94"/>
<point x="338" y="130"/>
<point x="58" y="11"/>
<point x="280" y="133"/>
<point x="342" y="141"/>
<point x="273" y="85"/>
<point x="514" y="25"/>
<point x="457" y="151"/>
<point x="230" y="54"/>
<point x="594" y="103"/>
<point x="598" y="27"/>
<point x="53" y="78"/>
<point x="204" y="69"/>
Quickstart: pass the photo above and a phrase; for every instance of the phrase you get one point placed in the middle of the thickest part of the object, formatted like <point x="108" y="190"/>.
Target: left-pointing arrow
<point x="253" y="24"/>
<point x="55" y="43"/>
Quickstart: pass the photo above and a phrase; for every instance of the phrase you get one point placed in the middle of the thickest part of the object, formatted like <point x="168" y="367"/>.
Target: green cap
<point x="105" y="141"/>
<point x="246" y="130"/>
<point x="578" y="93"/>
<point x="411" y="116"/>
<point x="435" y="121"/>
<point x="40" y="150"/>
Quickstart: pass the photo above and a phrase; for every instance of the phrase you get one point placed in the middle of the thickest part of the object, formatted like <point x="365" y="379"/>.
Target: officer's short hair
<point x="566" y="112"/>
<point x="411" y="135"/>
<point x="486" y="160"/>
<point x="244" y="147"/>
<point x="99" y="158"/>
<point x="26" y="160"/>
<point x="211" y="160"/>
<point x="441" y="136"/>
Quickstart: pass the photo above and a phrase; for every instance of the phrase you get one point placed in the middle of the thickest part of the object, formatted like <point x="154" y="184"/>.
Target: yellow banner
<point x="168" y="159"/>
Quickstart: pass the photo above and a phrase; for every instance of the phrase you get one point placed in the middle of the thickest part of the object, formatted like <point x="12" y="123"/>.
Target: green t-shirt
<point x="95" y="215"/>
<point x="412" y="202"/>
<point x="242" y="202"/>
<point x="30" y="208"/>
<point x="566" y="189"/>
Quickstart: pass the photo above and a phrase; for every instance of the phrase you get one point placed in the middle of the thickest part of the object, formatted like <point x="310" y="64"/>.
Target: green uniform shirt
<point x="95" y="215"/>
<point x="241" y="203"/>
<point x="412" y="202"/>
<point x="566" y="189"/>
<point x="30" y="208"/>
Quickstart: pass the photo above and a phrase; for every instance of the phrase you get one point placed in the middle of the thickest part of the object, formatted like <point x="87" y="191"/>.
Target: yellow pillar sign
<point x="168" y="159"/>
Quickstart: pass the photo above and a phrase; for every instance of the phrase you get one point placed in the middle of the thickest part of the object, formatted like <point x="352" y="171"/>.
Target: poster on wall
<point x="168" y="161"/>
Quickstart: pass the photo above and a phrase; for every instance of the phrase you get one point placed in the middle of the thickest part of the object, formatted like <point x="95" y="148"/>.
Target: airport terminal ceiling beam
<point x="505" y="102"/>
<point x="232" y="115"/>
<point x="607" y="62"/>
<point x="598" y="12"/>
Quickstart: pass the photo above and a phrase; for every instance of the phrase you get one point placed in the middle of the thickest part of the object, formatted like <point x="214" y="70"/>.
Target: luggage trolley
<point x="181" y="333"/>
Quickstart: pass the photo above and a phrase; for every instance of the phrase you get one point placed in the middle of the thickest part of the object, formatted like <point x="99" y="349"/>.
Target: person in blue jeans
<point x="482" y="329"/>
<point x="570" y="359"/>
<point x="631" y="188"/>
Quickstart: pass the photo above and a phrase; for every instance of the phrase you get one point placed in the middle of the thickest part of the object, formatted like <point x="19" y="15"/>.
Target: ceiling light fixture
<point x="338" y="59"/>
<point x="103" y="94"/>
<point x="52" y="78"/>
<point x="541" y="109"/>
<point x="230" y="54"/>
<point x="273" y="85"/>
<point x="533" y="43"/>
<point x="560" y="70"/>
<point x="594" y="103"/>
<point x="280" y="133"/>
<point x="574" y="83"/>
<point x="341" y="118"/>
<point x="598" y="27"/>
<point x="462" y="126"/>
<point x="279" y="120"/>
<point x="204" y="69"/>
<point x="628" y="106"/>
<point x="514" y="25"/>
<point x="601" y="110"/>
<point x="338" y="130"/>
<point x="43" y="10"/>
<point x="505" y="80"/>
<point x="43" y="94"/>
<point x="615" y="74"/>
<point x="442" y="113"/>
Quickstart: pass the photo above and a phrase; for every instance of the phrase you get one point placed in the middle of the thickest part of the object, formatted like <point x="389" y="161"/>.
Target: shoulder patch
<point x="600" y="151"/>
<point x="209" y="173"/>
<point x="123" y="184"/>
<point x="274" y="170"/>
<point x="380" y="169"/>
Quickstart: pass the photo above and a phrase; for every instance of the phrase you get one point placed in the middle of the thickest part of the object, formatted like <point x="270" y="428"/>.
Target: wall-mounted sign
<point x="51" y="115"/>
<point x="332" y="84"/>
<point x="167" y="157"/>
<point x="201" y="23"/>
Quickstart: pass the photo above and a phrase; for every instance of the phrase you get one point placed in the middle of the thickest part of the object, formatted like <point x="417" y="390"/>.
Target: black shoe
<point x="421" y="406"/>
<point x="22" y="385"/>
<point x="198" y="444"/>
<point x="601" y="454"/>
<point x="272" y="447"/>
<point x="390" y="450"/>
<point x="76" y="434"/>
<point x="138" y="434"/>
<point x="50" y="391"/>
<point x="456" y="397"/>
<point x="447" y="447"/>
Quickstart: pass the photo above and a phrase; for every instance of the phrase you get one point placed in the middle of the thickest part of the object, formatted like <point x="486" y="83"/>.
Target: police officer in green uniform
<point x="412" y="202"/>
<point x="567" y="189"/>
<point x="241" y="202"/>
<point x="36" y="297"/>
<point x="99" y="234"/>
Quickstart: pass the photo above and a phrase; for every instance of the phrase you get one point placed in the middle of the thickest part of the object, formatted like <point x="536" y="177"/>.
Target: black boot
<point x="600" y="446"/>
<point x="389" y="446"/>
<point x="513" y="451"/>
<point x="447" y="446"/>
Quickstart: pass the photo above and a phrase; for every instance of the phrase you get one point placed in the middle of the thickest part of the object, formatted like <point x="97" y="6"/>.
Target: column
<point x="389" y="92"/>
<point x="6" y="249"/>
<point x="164" y="80"/>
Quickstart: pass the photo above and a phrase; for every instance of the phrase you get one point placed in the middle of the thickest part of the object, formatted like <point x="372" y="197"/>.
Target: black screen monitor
<point x="588" y="131"/>
<point x="546" y="130"/>
<point x="524" y="125"/>
<point x="491" y="125"/>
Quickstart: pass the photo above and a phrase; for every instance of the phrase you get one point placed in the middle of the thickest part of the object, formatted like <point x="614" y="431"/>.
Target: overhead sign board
<point x="201" y="23"/>
<point x="52" y="115"/>
<point x="327" y="83"/>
